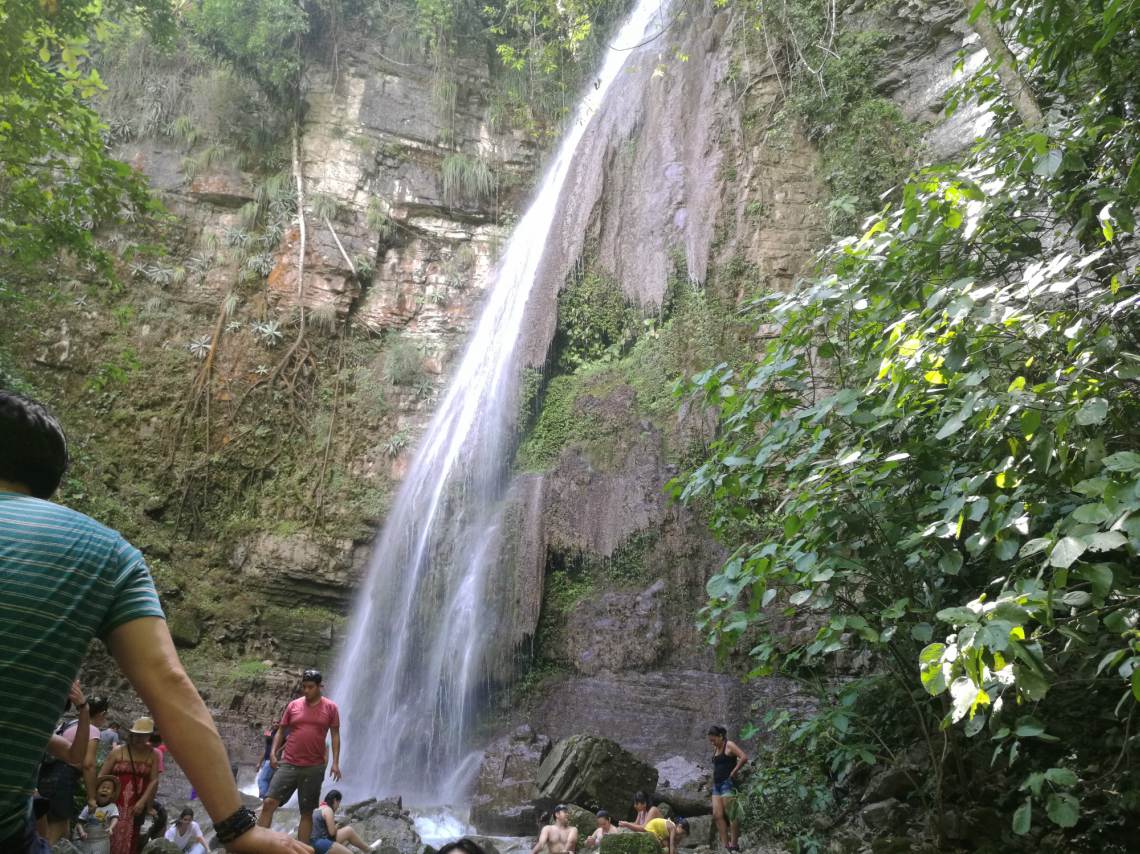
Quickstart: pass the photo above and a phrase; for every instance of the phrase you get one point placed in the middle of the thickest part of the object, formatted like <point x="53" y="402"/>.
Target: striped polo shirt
<point x="64" y="579"/>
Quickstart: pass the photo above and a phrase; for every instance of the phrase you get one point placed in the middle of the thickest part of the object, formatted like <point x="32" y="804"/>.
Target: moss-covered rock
<point x="630" y="843"/>
<point x="595" y="773"/>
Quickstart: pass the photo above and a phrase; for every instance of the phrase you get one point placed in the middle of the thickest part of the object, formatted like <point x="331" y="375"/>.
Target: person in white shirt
<point x="605" y="827"/>
<point x="187" y="834"/>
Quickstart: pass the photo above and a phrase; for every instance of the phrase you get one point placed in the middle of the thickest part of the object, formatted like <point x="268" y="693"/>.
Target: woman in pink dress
<point x="135" y="764"/>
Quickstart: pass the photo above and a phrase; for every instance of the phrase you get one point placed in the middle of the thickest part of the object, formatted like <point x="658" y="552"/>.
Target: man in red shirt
<point x="308" y="720"/>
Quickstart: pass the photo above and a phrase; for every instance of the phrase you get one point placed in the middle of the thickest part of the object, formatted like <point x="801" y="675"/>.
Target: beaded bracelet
<point x="231" y="828"/>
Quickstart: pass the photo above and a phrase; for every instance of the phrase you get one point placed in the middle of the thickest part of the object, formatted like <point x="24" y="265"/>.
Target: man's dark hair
<point x="462" y="846"/>
<point x="97" y="705"/>
<point x="33" y="449"/>
<point x="312" y="675"/>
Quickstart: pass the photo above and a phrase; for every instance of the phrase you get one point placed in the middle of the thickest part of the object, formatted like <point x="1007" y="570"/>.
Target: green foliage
<point x="466" y="178"/>
<point x="594" y="321"/>
<point x="114" y="372"/>
<point x="555" y="427"/>
<point x="788" y="787"/>
<point x="866" y="143"/>
<point x="937" y="457"/>
<point x="56" y="179"/>
<point x="403" y="362"/>
<point x="261" y="38"/>
<point x="378" y="219"/>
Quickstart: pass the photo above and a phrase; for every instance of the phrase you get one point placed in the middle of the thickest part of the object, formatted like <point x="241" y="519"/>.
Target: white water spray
<point x="410" y="676"/>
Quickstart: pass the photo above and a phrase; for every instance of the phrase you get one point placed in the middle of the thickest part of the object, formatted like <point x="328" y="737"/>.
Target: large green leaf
<point x="930" y="668"/>
<point x="1066" y="552"/>
<point x="1063" y="809"/>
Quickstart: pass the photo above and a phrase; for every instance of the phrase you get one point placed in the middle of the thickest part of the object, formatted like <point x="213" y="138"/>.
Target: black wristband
<point x="231" y="828"/>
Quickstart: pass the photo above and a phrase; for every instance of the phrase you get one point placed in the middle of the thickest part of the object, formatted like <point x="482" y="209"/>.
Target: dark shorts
<point x="57" y="783"/>
<point x="322" y="846"/>
<point x="25" y="841"/>
<point x="305" y="780"/>
<point x="724" y="789"/>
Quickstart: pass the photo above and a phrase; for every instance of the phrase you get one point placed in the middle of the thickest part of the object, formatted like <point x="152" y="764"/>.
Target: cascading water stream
<point x="409" y="676"/>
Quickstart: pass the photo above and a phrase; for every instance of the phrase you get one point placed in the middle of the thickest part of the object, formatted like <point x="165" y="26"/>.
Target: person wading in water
<point x="560" y="837"/>
<point x="727" y="760"/>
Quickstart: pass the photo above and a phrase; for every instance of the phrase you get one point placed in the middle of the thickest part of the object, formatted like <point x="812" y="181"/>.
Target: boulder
<point x="595" y="773"/>
<point x="684" y="786"/>
<point x="488" y="844"/>
<point x="506" y="800"/>
<point x="894" y="782"/>
<point x="387" y="821"/>
<point x="584" y="820"/>
<point x="702" y="831"/>
<point x="629" y="843"/>
<point x="884" y="815"/>
<point x="185" y="630"/>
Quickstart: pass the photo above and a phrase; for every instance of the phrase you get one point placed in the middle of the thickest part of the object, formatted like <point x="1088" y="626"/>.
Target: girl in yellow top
<point x="667" y="833"/>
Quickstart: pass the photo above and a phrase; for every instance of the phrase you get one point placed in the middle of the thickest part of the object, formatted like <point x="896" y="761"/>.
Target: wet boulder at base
<point x="506" y="800"/>
<point x="594" y="773"/>
<point x="384" y="820"/>
<point x="684" y="786"/>
<point x="630" y="843"/>
<point x="702" y="831"/>
<point x="585" y="821"/>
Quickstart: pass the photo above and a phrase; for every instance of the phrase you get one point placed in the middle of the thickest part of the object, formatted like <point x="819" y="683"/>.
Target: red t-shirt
<point x="308" y="727"/>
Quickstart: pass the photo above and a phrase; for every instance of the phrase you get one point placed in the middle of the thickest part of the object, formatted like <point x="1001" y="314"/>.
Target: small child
<point x="96" y="825"/>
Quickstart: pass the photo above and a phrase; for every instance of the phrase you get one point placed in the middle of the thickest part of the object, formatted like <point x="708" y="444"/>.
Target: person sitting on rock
<point x="645" y="813"/>
<point x="557" y="838"/>
<point x="605" y="827"/>
<point x="186" y="834"/>
<point x="727" y="760"/>
<point x="327" y="837"/>
<point x="667" y="833"/>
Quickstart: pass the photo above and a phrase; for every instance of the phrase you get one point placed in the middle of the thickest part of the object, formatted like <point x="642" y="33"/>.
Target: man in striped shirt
<point x="65" y="579"/>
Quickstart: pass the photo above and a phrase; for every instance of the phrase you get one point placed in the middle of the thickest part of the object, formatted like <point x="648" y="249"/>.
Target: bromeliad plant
<point x="938" y="457"/>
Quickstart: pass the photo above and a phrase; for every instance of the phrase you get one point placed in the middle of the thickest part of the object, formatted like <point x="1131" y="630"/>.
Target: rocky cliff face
<point x="601" y="572"/>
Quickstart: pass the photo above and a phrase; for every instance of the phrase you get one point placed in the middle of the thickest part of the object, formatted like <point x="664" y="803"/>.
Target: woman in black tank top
<point x="727" y="760"/>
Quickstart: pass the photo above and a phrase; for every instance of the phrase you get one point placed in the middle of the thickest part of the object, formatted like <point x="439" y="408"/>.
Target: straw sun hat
<point x="143" y="726"/>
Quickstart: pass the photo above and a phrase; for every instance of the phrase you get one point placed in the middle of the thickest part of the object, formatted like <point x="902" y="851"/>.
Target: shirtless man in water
<point x="560" y="837"/>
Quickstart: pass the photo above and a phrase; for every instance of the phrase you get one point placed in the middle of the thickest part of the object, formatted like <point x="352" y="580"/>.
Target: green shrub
<point x="466" y="179"/>
<point x="594" y="321"/>
<point x="403" y="362"/>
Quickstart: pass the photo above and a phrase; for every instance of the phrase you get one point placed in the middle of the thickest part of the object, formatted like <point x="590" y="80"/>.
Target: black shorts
<point x="57" y="783"/>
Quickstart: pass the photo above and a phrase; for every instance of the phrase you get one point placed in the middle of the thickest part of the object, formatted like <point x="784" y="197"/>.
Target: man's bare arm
<point x="275" y="748"/>
<point x="572" y="841"/>
<point x="146" y="655"/>
<point x="334" y="772"/>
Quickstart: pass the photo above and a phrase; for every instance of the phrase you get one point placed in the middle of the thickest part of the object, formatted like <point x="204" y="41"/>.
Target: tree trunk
<point x="1016" y="89"/>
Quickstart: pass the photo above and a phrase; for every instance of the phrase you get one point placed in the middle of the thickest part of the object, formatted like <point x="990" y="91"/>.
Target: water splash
<point x="410" y="675"/>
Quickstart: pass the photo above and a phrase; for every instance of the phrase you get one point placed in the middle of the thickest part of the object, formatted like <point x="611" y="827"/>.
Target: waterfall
<point x="410" y="676"/>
